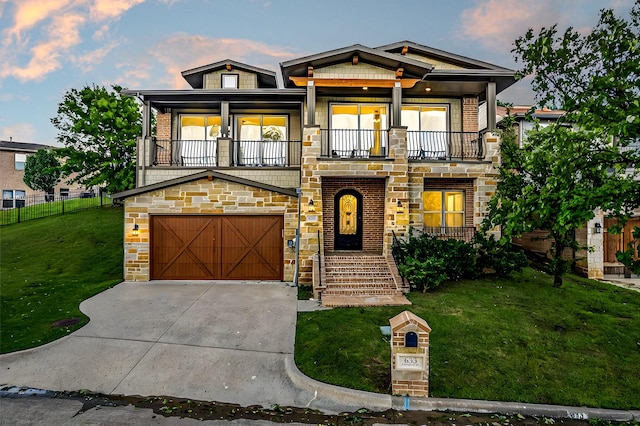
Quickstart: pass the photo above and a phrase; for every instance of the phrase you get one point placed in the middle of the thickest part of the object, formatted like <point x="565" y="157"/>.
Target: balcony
<point x="444" y="146"/>
<point x="207" y="154"/>
<point x="354" y="143"/>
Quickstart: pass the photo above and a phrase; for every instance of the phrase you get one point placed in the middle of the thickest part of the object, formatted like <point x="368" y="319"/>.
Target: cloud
<point x="19" y="132"/>
<point x="88" y="61"/>
<point x="45" y="34"/>
<point x="183" y="51"/>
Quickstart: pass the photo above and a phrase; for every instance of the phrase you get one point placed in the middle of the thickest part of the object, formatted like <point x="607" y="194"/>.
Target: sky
<point x="50" y="46"/>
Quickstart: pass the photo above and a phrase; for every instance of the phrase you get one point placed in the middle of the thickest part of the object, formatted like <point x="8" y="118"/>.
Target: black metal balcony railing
<point x="354" y="143"/>
<point x="435" y="145"/>
<point x="463" y="233"/>
<point x="203" y="153"/>
<point x="266" y="153"/>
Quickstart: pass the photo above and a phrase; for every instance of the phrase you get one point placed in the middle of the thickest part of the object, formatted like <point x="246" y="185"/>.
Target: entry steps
<point x="361" y="280"/>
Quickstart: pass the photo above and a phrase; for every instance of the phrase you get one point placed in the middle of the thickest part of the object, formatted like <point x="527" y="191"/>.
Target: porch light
<point x="136" y="230"/>
<point x="399" y="207"/>
<point x="598" y="228"/>
<point x="365" y="88"/>
<point x="427" y="89"/>
<point x="311" y="207"/>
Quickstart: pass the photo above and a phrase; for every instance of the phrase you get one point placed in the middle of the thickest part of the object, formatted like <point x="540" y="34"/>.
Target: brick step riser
<point x="358" y="293"/>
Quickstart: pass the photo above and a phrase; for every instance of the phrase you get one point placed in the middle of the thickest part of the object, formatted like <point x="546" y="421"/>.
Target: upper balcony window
<point x="427" y="130"/>
<point x="229" y="81"/>
<point x="198" y="139"/>
<point x="358" y="130"/>
<point x="262" y="140"/>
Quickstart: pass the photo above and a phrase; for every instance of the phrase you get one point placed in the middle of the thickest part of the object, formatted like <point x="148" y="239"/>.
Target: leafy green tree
<point x="585" y="161"/>
<point x="98" y="128"/>
<point x="42" y="171"/>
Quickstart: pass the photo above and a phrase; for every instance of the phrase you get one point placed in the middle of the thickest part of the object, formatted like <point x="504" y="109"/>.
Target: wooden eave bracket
<point x="405" y="49"/>
<point x="399" y="72"/>
<point x="228" y="67"/>
<point x="405" y="83"/>
<point x="355" y="59"/>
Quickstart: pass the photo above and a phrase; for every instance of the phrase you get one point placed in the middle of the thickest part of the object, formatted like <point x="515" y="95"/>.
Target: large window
<point x="199" y="135"/>
<point x="358" y="130"/>
<point x="262" y="140"/>
<point x="443" y="208"/>
<point x="20" y="161"/>
<point x="427" y="128"/>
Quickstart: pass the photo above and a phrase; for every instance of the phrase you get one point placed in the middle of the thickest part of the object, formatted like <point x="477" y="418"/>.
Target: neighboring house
<point x="600" y="257"/>
<point x="16" y="193"/>
<point x="353" y="146"/>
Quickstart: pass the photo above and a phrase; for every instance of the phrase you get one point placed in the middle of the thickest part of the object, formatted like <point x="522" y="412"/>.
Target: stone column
<point x="224" y="152"/>
<point x="595" y="243"/>
<point x="397" y="218"/>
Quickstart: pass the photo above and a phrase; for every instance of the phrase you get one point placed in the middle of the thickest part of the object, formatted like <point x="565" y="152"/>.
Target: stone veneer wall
<point x="201" y="197"/>
<point x="315" y="169"/>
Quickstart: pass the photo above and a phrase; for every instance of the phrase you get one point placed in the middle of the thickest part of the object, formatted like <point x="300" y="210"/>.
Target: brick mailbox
<point x="409" y="355"/>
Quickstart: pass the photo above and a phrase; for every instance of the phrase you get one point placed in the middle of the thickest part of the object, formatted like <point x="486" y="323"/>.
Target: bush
<point x="430" y="261"/>
<point x="501" y="258"/>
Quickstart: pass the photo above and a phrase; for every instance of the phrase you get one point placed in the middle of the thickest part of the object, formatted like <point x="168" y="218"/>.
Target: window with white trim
<point x="229" y="81"/>
<point x="20" y="161"/>
<point x="13" y="198"/>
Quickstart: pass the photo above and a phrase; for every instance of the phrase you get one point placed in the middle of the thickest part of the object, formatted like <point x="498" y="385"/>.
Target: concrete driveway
<point x="223" y="341"/>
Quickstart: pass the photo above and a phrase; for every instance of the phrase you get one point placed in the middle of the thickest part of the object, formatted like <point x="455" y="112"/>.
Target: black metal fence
<point x="354" y="143"/>
<point x="203" y="153"/>
<point x="432" y="145"/>
<point x="44" y="205"/>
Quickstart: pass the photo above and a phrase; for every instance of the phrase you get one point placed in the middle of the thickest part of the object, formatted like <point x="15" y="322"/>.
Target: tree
<point x="585" y="161"/>
<point x="98" y="128"/>
<point x="42" y="171"/>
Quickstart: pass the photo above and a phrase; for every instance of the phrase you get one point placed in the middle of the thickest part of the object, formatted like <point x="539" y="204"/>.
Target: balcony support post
<point x="491" y="106"/>
<point x="311" y="103"/>
<point x="224" y="118"/>
<point x="396" y="105"/>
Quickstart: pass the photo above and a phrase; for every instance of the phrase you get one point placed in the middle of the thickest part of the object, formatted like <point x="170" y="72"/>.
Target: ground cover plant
<point x="49" y="266"/>
<point x="506" y="339"/>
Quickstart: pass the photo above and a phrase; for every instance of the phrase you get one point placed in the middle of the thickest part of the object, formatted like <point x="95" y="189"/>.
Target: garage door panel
<point x="217" y="247"/>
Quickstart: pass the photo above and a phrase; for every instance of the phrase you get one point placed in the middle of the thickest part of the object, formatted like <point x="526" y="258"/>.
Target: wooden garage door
<point x="216" y="247"/>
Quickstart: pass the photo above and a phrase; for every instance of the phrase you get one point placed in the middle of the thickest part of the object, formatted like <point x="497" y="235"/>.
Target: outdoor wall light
<point x="136" y="230"/>
<point x="598" y="228"/>
<point x="427" y="89"/>
<point x="311" y="207"/>
<point x="399" y="207"/>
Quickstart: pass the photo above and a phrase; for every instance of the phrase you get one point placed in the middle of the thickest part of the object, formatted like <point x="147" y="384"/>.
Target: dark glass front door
<point x="348" y="220"/>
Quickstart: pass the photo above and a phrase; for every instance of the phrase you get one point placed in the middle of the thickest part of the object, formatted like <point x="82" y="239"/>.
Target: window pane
<point x="229" y="81"/>
<point x="454" y="219"/>
<point x="433" y="118"/>
<point x="373" y="117"/>
<point x="432" y="201"/>
<point x="20" y="160"/>
<point x="192" y="127"/>
<point x="249" y="128"/>
<point x="23" y="194"/>
<point x="433" y="219"/>
<point x="410" y="117"/>
<point x="274" y="128"/>
<point x="7" y="194"/>
<point x="454" y="201"/>
<point x="348" y="214"/>
<point x="214" y="125"/>
<point x="344" y="116"/>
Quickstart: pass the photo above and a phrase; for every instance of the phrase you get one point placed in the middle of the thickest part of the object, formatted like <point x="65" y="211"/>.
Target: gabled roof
<point x="442" y="55"/>
<point x="22" y="146"/>
<point x="202" y="175"/>
<point x="298" y="67"/>
<point x="195" y="76"/>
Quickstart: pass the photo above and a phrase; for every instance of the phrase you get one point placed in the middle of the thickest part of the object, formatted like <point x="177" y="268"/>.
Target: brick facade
<point x="373" y="198"/>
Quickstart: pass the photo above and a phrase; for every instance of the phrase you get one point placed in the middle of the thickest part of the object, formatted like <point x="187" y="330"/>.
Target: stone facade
<point x="201" y="197"/>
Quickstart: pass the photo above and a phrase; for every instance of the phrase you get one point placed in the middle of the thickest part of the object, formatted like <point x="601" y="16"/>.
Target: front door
<point x="348" y="220"/>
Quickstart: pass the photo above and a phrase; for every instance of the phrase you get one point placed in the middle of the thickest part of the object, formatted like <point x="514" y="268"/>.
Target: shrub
<point x="501" y="258"/>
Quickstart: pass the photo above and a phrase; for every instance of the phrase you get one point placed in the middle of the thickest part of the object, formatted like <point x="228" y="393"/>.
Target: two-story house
<point x="16" y="193"/>
<point x="307" y="179"/>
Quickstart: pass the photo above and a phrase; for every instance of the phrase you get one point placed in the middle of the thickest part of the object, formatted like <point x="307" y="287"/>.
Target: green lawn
<point x="48" y="266"/>
<point x="513" y="339"/>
